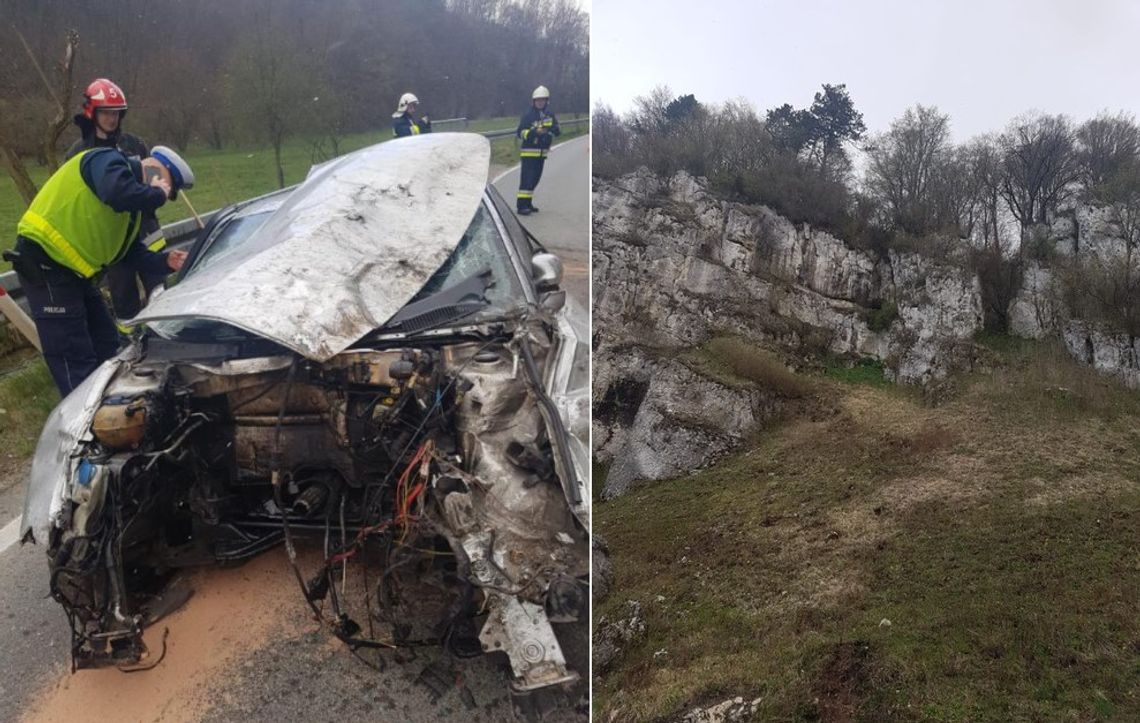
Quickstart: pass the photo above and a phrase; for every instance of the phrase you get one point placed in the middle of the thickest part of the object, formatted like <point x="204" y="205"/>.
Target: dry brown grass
<point x="756" y="365"/>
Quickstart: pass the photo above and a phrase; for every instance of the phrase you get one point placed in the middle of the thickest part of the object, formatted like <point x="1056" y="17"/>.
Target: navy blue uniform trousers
<point x="75" y="327"/>
<point x="529" y="175"/>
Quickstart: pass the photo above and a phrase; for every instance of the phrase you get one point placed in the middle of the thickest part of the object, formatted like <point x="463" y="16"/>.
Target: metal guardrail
<point x="507" y="132"/>
<point x="460" y="124"/>
<point x="182" y="233"/>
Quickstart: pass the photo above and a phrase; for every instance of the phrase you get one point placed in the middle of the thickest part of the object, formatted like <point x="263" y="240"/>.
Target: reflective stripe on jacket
<point x="535" y="144"/>
<point x="405" y="125"/>
<point x="74" y="227"/>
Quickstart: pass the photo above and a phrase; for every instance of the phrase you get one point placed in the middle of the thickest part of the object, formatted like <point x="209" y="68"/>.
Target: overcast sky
<point x="981" y="61"/>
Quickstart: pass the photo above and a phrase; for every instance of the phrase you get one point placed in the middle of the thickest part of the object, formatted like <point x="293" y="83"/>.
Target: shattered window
<point x="480" y="249"/>
<point x="231" y="237"/>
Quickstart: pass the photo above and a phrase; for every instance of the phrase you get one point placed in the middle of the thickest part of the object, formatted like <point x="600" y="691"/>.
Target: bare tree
<point x="612" y="142"/>
<point x="906" y="167"/>
<point x="462" y="57"/>
<point x="58" y="92"/>
<point x="16" y="169"/>
<point x="269" y="91"/>
<point x="1040" y="164"/>
<point x="1106" y="145"/>
<point x="987" y="173"/>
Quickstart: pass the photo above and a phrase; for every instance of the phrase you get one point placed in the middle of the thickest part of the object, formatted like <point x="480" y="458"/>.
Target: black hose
<point x="278" y="477"/>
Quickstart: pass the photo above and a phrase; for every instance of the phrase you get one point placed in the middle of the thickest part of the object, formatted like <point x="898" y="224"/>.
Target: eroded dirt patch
<point x="843" y="682"/>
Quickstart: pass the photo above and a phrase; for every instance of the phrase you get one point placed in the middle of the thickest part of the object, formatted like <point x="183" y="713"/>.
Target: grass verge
<point x="505" y="151"/>
<point x="27" y="395"/>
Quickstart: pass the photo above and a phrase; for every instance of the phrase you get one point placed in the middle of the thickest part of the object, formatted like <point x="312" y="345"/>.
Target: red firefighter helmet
<point x="102" y="93"/>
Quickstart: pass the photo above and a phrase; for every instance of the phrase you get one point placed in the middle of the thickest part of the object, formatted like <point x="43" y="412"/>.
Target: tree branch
<point x="66" y="86"/>
<point x="17" y="170"/>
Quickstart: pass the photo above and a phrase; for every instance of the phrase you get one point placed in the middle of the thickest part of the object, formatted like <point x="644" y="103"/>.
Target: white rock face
<point x="1086" y="231"/>
<point x="734" y="710"/>
<point x="674" y="266"/>
<point x="1110" y="353"/>
<point x="1037" y="310"/>
<point x="658" y="419"/>
<point x="1082" y="228"/>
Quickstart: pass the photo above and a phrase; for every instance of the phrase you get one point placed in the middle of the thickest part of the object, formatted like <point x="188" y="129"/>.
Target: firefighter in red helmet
<point x="101" y="126"/>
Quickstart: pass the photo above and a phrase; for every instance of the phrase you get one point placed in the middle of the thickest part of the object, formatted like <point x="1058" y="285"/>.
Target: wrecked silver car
<point x="380" y="359"/>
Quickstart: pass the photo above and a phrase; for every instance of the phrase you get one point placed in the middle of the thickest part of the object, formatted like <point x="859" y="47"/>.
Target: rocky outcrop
<point x="1037" y="311"/>
<point x="734" y="710"/>
<point x="1077" y="230"/>
<point x="601" y="571"/>
<point x="1110" y="353"/>
<point x="654" y="417"/>
<point x="673" y="266"/>
<point x="613" y="637"/>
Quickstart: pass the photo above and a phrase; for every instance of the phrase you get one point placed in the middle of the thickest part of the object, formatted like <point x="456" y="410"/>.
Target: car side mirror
<point x="552" y="301"/>
<point x="546" y="270"/>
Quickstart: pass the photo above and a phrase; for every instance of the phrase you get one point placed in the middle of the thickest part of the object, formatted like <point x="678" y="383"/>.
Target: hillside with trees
<point x="257" y="72"/>
<point x="989" y="201"/>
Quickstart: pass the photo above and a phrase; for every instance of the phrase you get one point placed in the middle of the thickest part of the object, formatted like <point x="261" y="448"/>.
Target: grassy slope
<point x="235" y="174"/>
<point x="999" y="534"/>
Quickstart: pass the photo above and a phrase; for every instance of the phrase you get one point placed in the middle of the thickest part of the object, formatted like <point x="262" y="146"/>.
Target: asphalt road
<point x="245" y="646"/>
<point x="562" y="224"/>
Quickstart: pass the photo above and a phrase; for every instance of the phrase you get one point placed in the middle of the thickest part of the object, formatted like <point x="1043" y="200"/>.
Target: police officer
<point x="403" y="120"/>
<point x="100" y="126"/>
<point x="84" y="219"/>
<point x="537" y="128"/>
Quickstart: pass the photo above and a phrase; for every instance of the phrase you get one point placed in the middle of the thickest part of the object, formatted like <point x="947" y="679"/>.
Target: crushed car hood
<point x="346" y="250"/>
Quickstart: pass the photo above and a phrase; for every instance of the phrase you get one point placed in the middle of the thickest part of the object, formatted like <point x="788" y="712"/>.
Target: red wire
<point x="403" y="504"/>
<point x="404" y="500"/>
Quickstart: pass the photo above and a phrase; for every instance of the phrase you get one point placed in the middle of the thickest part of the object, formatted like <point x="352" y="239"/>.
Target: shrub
<point x="1000" y="278"/>
<point x="881" y="318"/>
<point x="758" y="366"/>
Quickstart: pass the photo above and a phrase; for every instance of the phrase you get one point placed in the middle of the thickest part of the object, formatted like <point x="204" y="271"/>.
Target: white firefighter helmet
<point x="405" y="100"/>
<point x="540" y="92"/>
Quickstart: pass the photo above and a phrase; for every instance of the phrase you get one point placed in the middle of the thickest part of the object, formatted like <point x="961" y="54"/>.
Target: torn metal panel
<point x="522" y="631"/>
<point x="346" y="250"/>
<point x="53" y="463"/>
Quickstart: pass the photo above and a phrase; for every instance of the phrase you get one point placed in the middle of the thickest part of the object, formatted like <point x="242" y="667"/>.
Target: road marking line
<point x="512" y="169"/>
<point x="10" y="534"/>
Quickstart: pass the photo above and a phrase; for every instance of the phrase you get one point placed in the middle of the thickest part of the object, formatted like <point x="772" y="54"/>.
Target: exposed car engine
<point x="445" y="456"/>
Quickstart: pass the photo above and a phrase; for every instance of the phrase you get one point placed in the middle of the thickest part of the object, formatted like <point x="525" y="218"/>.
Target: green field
<point x="235" y="174"/>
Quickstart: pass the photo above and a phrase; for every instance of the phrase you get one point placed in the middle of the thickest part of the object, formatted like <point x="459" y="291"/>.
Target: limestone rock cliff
<point x="1038" y="311"/>
<point x="674" y="265"/>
